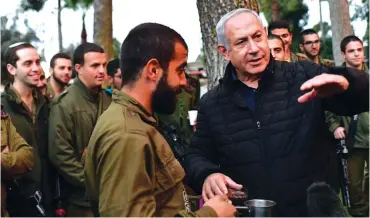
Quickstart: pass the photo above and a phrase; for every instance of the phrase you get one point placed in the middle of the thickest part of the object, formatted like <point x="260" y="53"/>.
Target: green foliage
<point x="294" y="11"/>
<point x="75" y="4"/>
<point x="35" y="5"/>
<point x="362" y="13"/>
<point x="116" y="47"/>
<point x="326" y="41"/>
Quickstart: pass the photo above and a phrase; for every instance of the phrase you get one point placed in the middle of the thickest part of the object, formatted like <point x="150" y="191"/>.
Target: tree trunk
<point x="103" y="30"/>
<point x="60" y="36"/>
<point x="340" y="25"/>
<point x="83" y="31"/>
<point x="210" y="12"/>
<point x="275" y="10"/>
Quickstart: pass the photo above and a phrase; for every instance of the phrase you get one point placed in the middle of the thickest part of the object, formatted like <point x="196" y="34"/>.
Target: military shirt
<point x="130" y="169"/>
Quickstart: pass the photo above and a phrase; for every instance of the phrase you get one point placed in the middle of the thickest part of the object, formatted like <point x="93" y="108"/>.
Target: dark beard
<point x="164" y="98"/>
<point x="56" y="79"/>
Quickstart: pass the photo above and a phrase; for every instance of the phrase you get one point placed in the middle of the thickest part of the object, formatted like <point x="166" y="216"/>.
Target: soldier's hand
<point x="339" y="133"/>
<point x="222" y="205"/>
<point x="217" y="184"/>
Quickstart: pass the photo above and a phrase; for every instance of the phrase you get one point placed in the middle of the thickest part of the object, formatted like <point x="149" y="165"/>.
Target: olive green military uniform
<point x="294" y="57"/>
<point x="357" y="157"/>
<point x="130" y="169"/>
<point x="73" y="116"/>
<point x="326" y="62"/>
<point x="50" y="91"/>
<point x="187" y="100"/>
<point x="16" y="156"/>
<point x="32" y="126"/>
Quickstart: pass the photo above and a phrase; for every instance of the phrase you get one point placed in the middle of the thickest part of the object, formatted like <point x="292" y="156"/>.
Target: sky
<point x="181" y="15"/>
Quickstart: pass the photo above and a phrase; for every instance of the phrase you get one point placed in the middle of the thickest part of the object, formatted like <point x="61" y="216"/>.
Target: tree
<point x="294" y="11"/>
<point x="84" y="5"/>
<point x="210" y="13"/>
<point x="326" y="40"/>
<point x="103" y="27"/>
<point x="275" y="10"/>
<point x="362" y="13"/>
<point x="341" y="26"/>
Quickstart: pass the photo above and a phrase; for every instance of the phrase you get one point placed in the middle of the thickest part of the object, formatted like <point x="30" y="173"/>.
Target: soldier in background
<point x="114" y="76"/>
<point x="16" y="156"/>
<point x="281" y="28"/>
<point x="277" y="48"/>
<point x="43" y="83"/>
<point x="60" y="74"/>
<point x="72" y="119"/>
<point x="310" y="45"/>
<point x="29" y="110"/>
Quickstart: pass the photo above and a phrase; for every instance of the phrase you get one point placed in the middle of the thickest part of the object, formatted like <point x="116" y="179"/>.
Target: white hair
<point x="220" y="27"/>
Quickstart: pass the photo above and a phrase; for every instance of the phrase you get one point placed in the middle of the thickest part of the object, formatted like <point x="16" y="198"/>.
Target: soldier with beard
<point x="60" y="74"/>
<point x="130" y="169"/>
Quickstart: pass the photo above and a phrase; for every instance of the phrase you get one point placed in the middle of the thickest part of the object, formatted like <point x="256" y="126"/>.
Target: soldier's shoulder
<point x="328" y="62"/>
<point x="62" y="97"/>
<point x="301" y="56"/>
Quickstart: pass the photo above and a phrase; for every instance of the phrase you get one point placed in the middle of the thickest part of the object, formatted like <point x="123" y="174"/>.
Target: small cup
<point x="192" y="117"/>
<point x="238" y="197"/>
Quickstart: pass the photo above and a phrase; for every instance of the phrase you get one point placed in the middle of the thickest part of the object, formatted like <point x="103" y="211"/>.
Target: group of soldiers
<point x="46" y="124"/>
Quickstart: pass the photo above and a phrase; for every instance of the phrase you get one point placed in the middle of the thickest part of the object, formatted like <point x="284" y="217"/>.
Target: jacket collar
<point x="229" y="77"/>
<point x="364" y="66"/>
<point x="133" y="106"/>
<point x="84" y="91"/>
<point x="12" y="95"/>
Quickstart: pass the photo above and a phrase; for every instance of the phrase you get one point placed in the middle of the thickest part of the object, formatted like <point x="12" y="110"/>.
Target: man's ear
<point x="153" y="70"/>
<point x="301" y="47"/>
<point x="51" y="71"/>
<point x="343" y="55"/>
<point x="11" y="69"/>
<point x="78" y="68"/>
<point x="223" y="52"/>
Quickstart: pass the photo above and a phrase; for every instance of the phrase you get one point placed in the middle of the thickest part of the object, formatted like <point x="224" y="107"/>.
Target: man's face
<point x="117" y="79"/>
<point x="285" y="35"/>
<point x="62" y="71"/>
<point x="164" y="98"/>
<point x="249" y="51"/>
<point x="42" y="84"/>
<point x="277" y="49"/>
<point x="311" y="45"/>
<point x="354" y="54"/>
<point x="92" y="73"/>
<point x="27" y="70"/>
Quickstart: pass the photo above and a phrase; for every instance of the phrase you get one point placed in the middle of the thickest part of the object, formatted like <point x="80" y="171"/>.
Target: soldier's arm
<point x="124" y="164"/>
<point x="19" y="158"/>
<point x="61" y="151"/>
<point x="332" y="120"/>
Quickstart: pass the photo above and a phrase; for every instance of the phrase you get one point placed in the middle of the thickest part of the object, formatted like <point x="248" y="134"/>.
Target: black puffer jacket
<point x="284" y="147"/>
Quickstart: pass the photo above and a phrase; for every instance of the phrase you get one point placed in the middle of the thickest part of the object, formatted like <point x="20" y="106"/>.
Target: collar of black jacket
<point x="229" y="81"/>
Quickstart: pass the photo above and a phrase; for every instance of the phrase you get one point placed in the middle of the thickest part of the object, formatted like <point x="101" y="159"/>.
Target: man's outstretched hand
<point x="322" y="86"/>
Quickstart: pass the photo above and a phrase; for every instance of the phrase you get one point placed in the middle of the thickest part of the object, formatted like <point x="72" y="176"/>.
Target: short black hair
<point x="112" y="67"/>
<point x="305" y="33"/>
<point x="348" y="39"/>
<point x="10" y="54"/>
<point x="144" y="42"/>
<point x="279" y="24"/>
<point x="57" y="56"/>
<point x="272" y="36"/>
<point x="81" y="50"/>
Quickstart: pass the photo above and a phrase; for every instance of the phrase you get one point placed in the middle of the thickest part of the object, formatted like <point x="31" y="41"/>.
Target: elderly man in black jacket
<point x="263" y="126"/>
